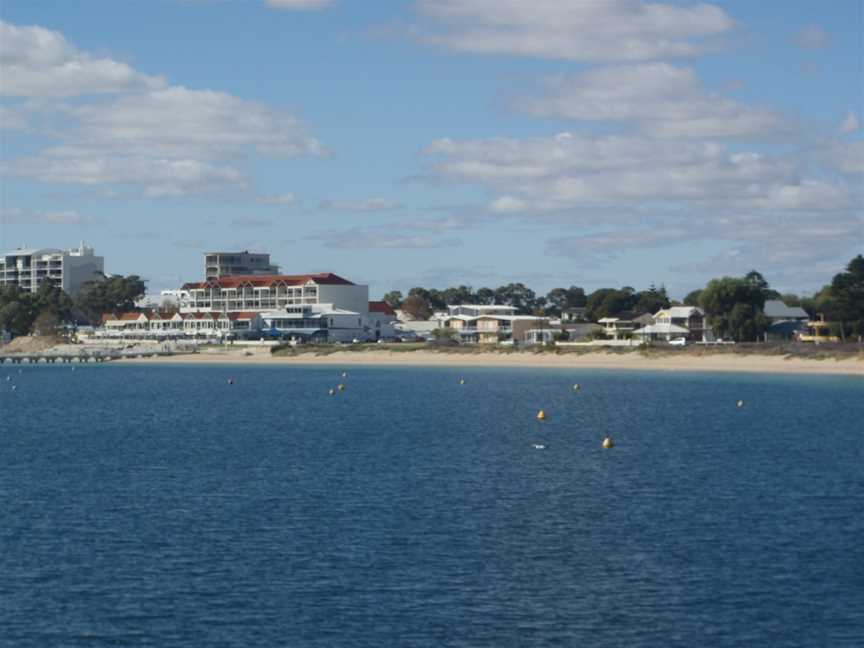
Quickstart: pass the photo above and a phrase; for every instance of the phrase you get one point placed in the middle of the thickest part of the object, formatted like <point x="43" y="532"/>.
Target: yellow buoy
<point x="461" y="381"/>
<point x="341" y="387"/>
<point x="740" y="403"/>
<point x="607" y="443"/>
<point x="541" y="415"/>
<point x="576" y="387"/>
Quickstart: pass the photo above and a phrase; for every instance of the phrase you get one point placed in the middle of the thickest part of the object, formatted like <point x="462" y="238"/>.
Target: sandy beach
<point x="750" y="363"/>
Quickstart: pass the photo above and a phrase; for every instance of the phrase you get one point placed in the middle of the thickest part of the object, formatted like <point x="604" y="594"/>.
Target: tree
<point x="756" y="280"/>
<point x="393" y="299"/>
<point x="114" y="294"/>
<point x="652" y="300"/>
<point x="485" y="296"/>
<point x="416" y="307"/>
<point x="847" y="298"/>
<point x="721" y="297"/>
<point x="560" y="299"/>
<point x="608" y="302"/>
<point x="518" y="296"/>
<point x="692" y="298"/>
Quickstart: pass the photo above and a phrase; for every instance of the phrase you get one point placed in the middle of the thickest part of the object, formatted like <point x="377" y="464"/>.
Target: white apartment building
<point x="230" y="264"/>
<point x="68" y="269"/>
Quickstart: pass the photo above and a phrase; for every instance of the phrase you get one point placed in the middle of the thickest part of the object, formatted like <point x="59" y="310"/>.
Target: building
<point x="784" y="322"/>
<point x="68" y="269"/>
<point x="311" y="307"/>
<point x="232" y="264"/>
<point x="686" y="322"/>
<point x="382" y="320"/>
<point x="490" y="324"/>
<point x="817" y="331"/>
<point x="176" y="326"/>
<point x="273" y="292"/>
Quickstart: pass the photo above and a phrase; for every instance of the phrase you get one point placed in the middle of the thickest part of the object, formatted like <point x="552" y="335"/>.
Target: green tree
<point x="517" y="295"/>
<point x="692" y="298"/>
<point x="393" y="299"/>
<point x="416" y="307"/>
<point x="485" y="296"/>
<point x="652" y="300"/>
<point x="721" y="297"/>
<point x="560" y="299"/>
<point x="114" y="294"/>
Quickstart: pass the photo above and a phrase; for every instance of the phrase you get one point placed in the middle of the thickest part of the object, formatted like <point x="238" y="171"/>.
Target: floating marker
<point x="332" y="392"/>
<point x="607" y="443"/>
<point x="576" y="387"/>
<point x="8" y="378"/>
<point x="341" y="387"/>
<point x="740" y="403"/>
<point x="461" y="381"/>
<point x="14" y="387"/>
<point x="344" y="374"/>
<point x="538" y="446"/>
<point x="230" y="381"/>
<point x="541" y="415"/>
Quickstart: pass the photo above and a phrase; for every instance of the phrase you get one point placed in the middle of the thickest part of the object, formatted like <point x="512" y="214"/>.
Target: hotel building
<point x="67" y="269"/>
<point x="232" y="264"/>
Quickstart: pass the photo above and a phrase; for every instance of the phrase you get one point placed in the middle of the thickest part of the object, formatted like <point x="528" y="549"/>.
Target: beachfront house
<point x="677" y="322"/>
<point x="817" y="331"/>
<point x="784" y="322"/>
<point x="492" y="323"/>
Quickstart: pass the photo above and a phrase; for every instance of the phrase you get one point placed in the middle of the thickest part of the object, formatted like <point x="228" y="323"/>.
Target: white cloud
<point x="177" y="121"/>
<point x="162" y="140"/>
<point x="39" y="62"/>
<point x="846" y="157"/>
<point x="301" y="5"/>
<point x="157" y="177"/>
<point x="382" y="238"/>
<point x="811" y="37"/>
<point x="16" y="215"/>
<point x="570" y="170"/>
<point x="285" y="199"/>
<point x="664" y="100"/>
<point x="850" y="123"/>
<point x="611" y="30"/>
<point x="367" y="205"/>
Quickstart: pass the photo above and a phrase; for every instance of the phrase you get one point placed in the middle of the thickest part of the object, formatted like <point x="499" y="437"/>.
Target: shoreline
<point x="726" y="363"/>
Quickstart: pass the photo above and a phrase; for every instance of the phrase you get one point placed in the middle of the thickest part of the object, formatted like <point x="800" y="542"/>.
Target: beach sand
<point x="723" y="362"/>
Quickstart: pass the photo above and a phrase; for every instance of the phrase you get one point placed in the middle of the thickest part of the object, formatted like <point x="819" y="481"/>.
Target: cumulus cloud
<point x="154" y="138"/>
<point x="662" y="99"/>
<point x="571" y="170"/>
<point x="299" y="5"/>
<point x="12" y="119"/>
<point x="612" y="30"/>
<point x="39" y="62"/>
<point x="811" y="37"/>
<point x="366" y="205"/>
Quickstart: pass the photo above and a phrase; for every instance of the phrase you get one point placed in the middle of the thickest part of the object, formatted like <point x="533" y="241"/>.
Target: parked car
<point x="678" y="342"/>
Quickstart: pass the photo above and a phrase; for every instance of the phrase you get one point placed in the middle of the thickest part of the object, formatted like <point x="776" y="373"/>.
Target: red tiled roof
<point x="130" y="317"/>
<point x="245" y="315"/>
<point x="381" y="307"/>
<point x="106" y="317"/>
<point x="262" y="281"/>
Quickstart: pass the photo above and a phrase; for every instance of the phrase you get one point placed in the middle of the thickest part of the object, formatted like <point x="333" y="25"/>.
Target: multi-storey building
<point x="490" y="324"/>
<point x="68" y="269"/>
<point x="232" y="264"/>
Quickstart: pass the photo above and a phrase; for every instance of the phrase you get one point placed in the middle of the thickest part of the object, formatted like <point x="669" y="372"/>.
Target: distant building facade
<point x="490" y="324"/>
<point x="232" y="264"/>
<point x="68" y="269"/>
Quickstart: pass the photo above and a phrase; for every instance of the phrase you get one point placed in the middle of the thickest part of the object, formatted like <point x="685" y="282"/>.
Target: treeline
<point x="734" y="306"/>
<point x="605" y="302"/>
<point x="43" y="312"/>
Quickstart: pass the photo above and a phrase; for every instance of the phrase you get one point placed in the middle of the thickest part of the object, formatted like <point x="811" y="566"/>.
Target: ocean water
<point x="162" y="506"/>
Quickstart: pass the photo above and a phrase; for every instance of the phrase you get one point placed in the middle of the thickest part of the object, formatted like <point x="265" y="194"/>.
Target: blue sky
<point x="439" y="142"/>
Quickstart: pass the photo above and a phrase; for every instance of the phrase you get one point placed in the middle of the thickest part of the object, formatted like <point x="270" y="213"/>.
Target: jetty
<point x="84" y="356"/>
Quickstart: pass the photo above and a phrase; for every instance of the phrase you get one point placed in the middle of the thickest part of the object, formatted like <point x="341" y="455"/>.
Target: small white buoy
<point x="230" y="381"/>
<point x="461" y="381"/>
<point x="332" y="392"/>
<point x="538" y="446"/>
<point x="341" y="387"/>
<point x="14" y="387"/>
<point x="607" y="443"/>
<point x="344" y="374"/>
<point x="576" y="387"/>
<point x="8" y="378"/>
<point x="541" y="415"/>
<point x="740" y="403"/>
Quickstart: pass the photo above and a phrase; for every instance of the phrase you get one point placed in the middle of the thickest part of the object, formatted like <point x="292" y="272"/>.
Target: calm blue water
<point x="161" y="506"/>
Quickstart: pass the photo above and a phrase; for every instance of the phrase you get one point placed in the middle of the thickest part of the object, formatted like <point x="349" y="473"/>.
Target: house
<point x="784" y="322"/>
<point x="686" y="322"/>
<point x="382" y="320"/>
<point x="574" y="314"/>
<point x="490" y="324"/>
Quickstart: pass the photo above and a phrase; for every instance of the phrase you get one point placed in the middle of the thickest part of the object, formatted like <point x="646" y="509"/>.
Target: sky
<point x="439" y="142"/>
